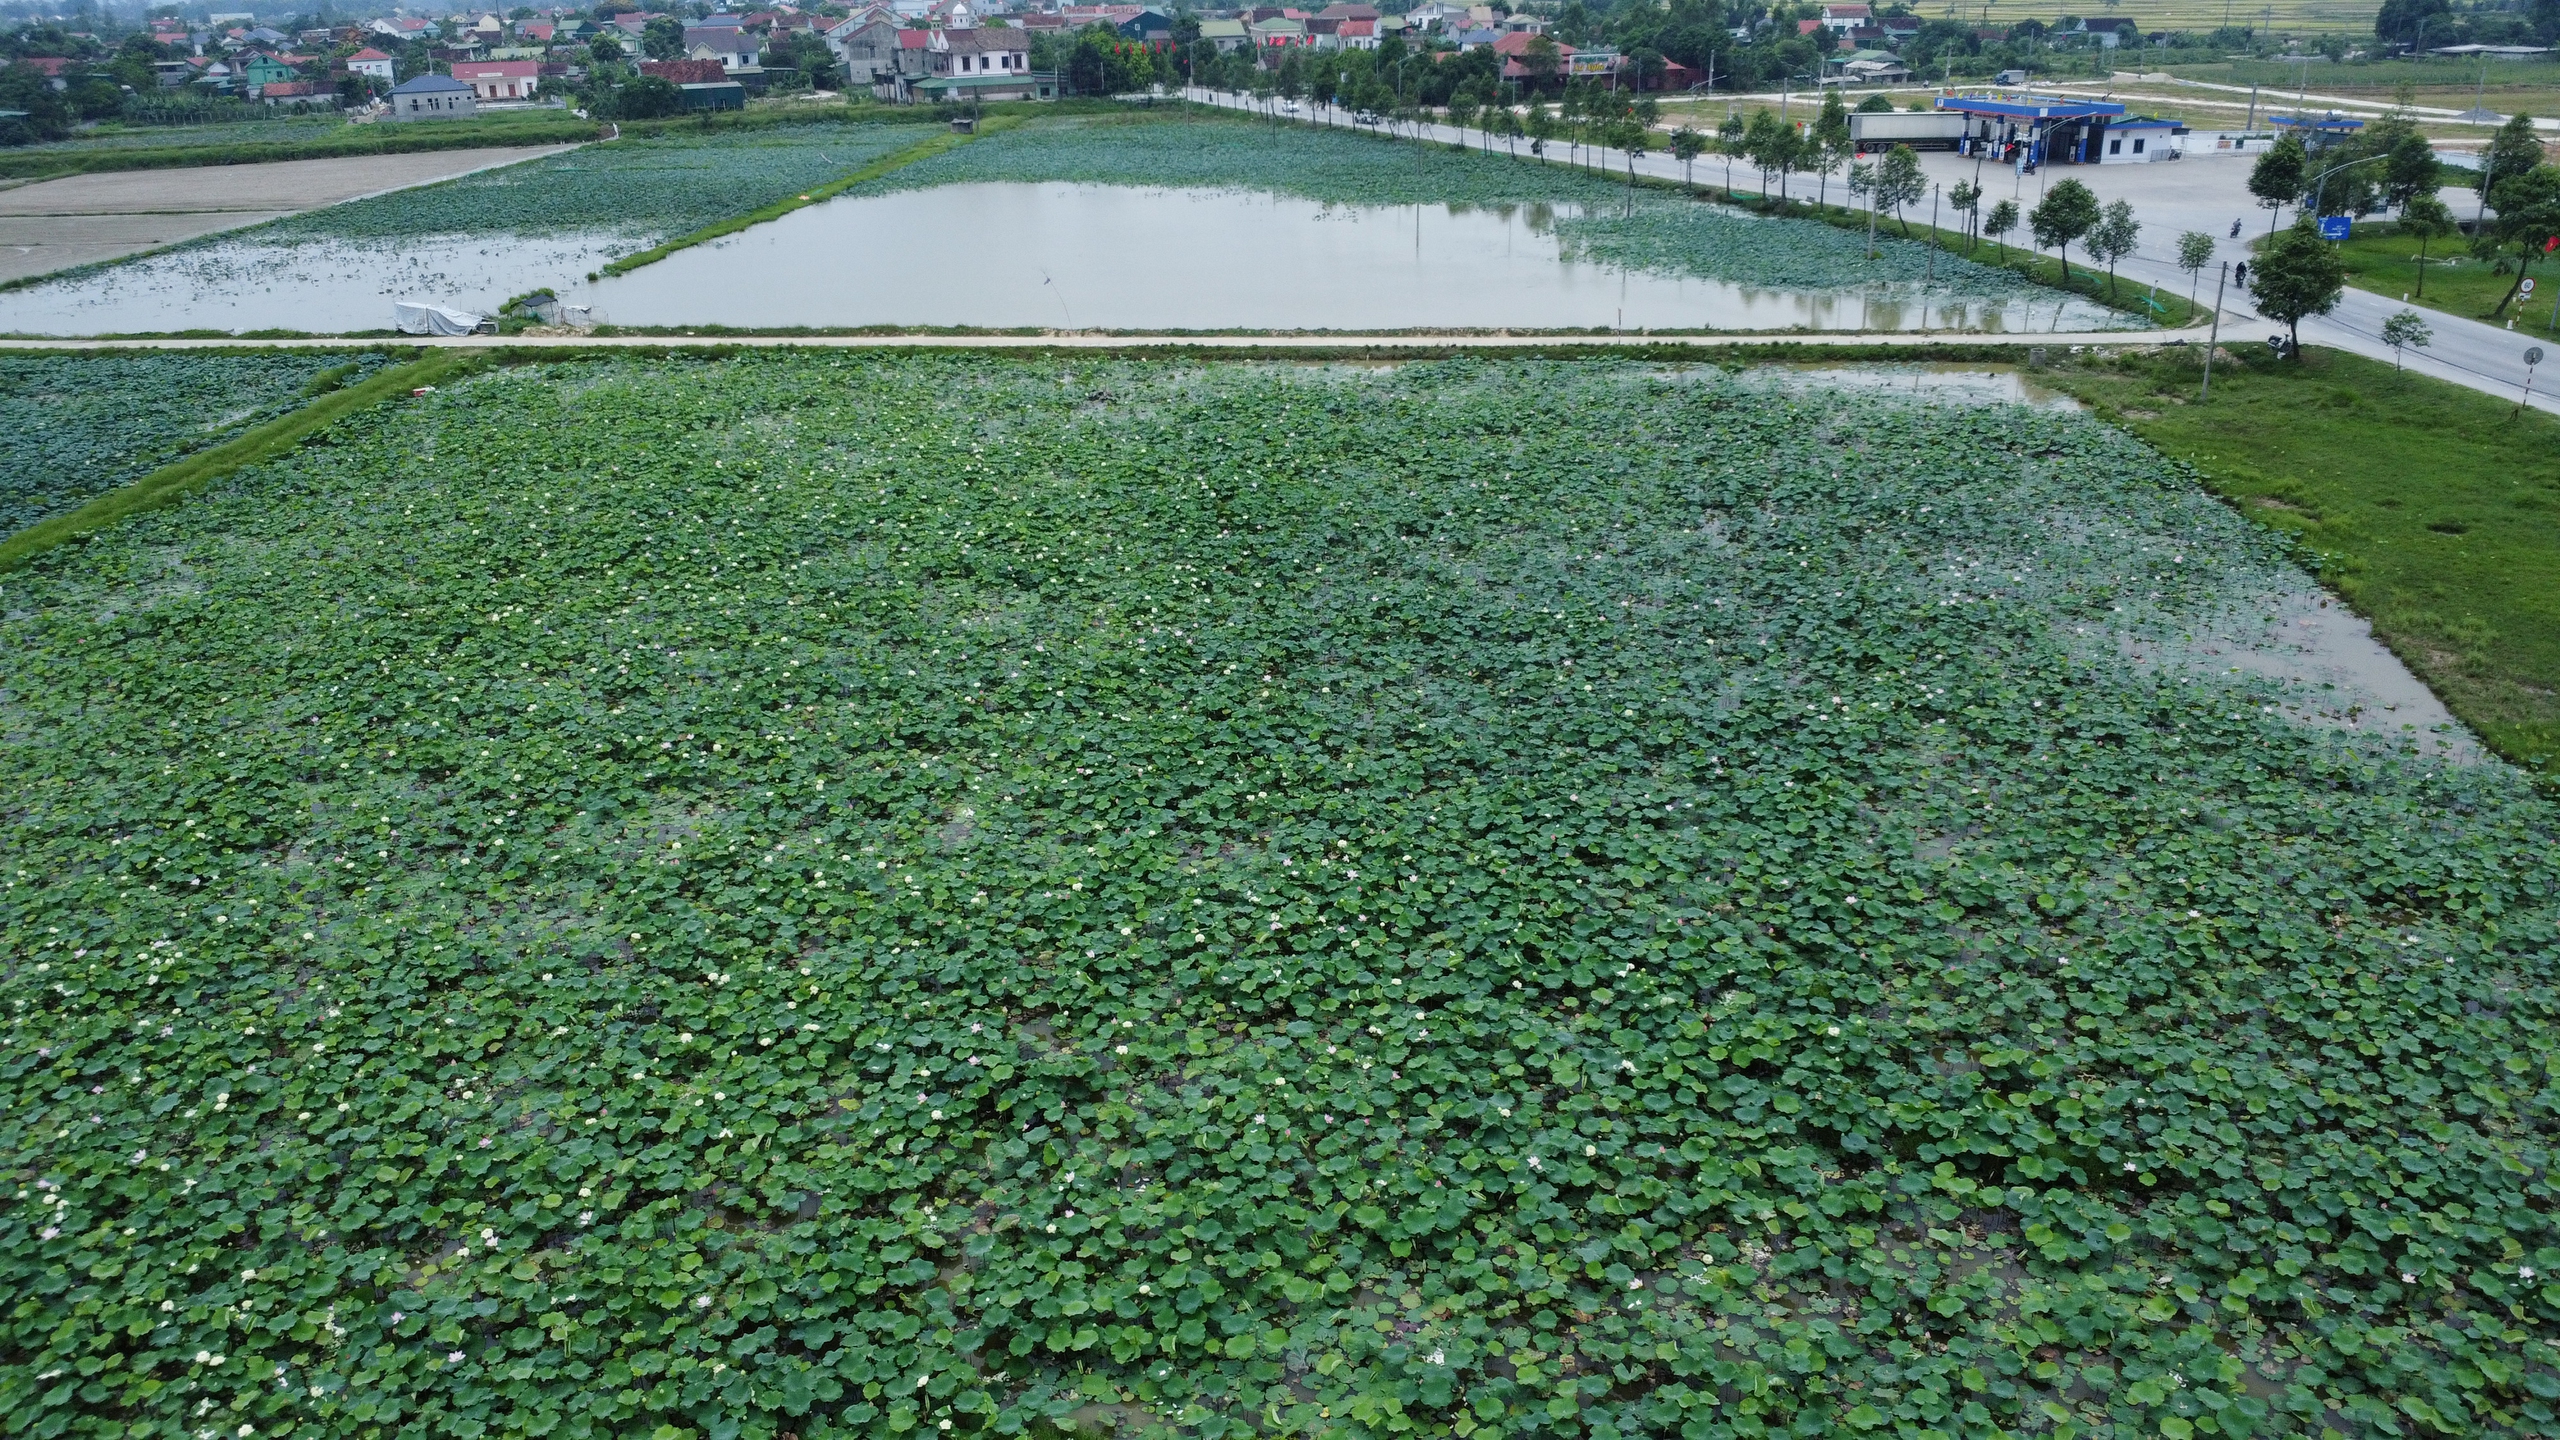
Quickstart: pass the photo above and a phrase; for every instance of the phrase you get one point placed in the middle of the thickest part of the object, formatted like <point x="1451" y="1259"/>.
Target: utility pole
<point x="2251" y="127"/>
<point x="2215" y="342"/>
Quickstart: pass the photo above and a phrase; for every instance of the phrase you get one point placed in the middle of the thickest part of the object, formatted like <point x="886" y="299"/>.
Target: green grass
<point x="856" y="893"/>
<point x="2384" y="262"/>
<point x="2433" y="509"/>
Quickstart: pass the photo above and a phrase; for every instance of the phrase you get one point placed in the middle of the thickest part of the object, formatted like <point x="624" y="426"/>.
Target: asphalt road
<point x="2204" y="194"/>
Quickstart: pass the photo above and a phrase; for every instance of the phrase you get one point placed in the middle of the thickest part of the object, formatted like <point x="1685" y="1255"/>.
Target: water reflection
<point x="1053" y="255"/>
<point x="1113" y="257"/>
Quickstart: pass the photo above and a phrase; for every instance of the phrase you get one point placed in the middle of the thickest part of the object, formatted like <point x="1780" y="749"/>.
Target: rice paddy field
<point x="843" y="895"/>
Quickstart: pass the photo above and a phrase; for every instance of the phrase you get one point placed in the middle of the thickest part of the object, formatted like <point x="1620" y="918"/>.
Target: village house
<point x="433" y="97"/>
<point x="499" y="80"/>
<point x="980" y="51"/>
<point x="370" y="61"/>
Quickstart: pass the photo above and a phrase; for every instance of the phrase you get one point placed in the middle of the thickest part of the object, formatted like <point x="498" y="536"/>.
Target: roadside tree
<point x="2297" y="274"/>
<point x="2002" y="219"/>
<point x="2405" y="331"/>
<point x="1899" y="182"/>
<point x="2067" y="212"/>
<point x="2277" y="177"/>
<point x="1965" y="198"/>
<point x="2113" y="238"/>
<point x="2426" y="218"/>
<point x="2195" y="251"/>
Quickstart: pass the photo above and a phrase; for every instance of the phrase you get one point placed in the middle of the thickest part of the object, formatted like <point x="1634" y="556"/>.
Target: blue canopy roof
<point x="2022" y="106"/>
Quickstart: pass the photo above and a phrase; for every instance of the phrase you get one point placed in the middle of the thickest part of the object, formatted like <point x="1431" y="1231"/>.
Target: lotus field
<point x="846" y="895"/>
<point x="74" y="428"/>
<point x="638" y="186"/>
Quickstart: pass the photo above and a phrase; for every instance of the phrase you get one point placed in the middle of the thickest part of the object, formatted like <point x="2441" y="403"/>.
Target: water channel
<point x="1006" y="255"/>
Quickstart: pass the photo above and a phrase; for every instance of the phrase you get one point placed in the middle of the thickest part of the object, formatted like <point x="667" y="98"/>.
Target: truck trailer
<point x="1919" y="129"/>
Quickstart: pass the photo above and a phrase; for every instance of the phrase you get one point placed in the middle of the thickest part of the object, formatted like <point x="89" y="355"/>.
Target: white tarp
<point x="416" y="317"/>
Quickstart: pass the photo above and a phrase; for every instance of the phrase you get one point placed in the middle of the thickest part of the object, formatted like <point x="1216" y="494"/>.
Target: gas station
<point x="2027" y="130"/>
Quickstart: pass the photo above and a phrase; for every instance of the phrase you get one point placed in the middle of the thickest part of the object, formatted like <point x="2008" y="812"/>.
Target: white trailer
<point x="1919" y="129"/>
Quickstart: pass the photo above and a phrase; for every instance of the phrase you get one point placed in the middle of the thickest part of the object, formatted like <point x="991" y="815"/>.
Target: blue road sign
<point x="2335" y="227"/>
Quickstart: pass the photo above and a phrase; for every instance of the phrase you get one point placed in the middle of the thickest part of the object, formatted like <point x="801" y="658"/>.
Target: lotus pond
<point x="1136" y="222"/>
<point x="72" y="428"/>
<point x="843" y="895"/>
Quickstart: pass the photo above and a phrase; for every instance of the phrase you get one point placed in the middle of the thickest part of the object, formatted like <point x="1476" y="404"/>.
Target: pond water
<point x="322" y="287"/>
<point x="1076" y="256"/>
<point x="1005" y="255"/>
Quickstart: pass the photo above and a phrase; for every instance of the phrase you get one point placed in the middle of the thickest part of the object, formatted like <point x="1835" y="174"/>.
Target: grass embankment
<point x="923" y="150"/>
<point x="2434" y="510"/>
<point x="168" y="483"/>
<point x="2385" y="262"/>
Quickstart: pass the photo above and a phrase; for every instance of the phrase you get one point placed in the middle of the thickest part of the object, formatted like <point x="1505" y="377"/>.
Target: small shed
<point x="719" y="95"/>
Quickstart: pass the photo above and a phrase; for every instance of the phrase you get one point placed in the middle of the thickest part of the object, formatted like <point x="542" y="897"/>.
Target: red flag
<point x="2551" y="244"/>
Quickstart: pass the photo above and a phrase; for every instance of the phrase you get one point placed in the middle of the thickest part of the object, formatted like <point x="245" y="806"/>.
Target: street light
<point x="2319" y="181"/>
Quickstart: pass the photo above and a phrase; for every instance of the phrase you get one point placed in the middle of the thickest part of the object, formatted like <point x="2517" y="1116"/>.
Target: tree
<point x="2528" y="206"/>
<point x="2002" y="219"/>
<point x="1542" y="128"/>
<point x="2405" y="330"/>
<point x="1876" y="104"/>
<point x="2514" y="150"/>
<point x="2411" y="171"/>
<point x="2404" y="22"/>
<point x="604" y="50"/>
<point x="2297" y="274"/>
<point x="1898" y="182"/>
<point x="2113" y="238"/>
<point x="2067" y="212"/>
<point x="2427" y="218"/>
<point x="1634" y="138"/>
<point x="1769" y="143"/>
<point x="2277" y="177"/>
<point x="1686" y="146"/>
<point x="663" y="38"/>
<point x="1462" y="113"/>
<point x="644" y="97"/>
<point x="1732" y="137"/>
<point x="1830" y="144"/>
<point x="1965" y="198"/>
<point x="2195" y="251"/>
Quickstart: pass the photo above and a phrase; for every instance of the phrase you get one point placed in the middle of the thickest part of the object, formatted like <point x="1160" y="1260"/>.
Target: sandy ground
<point x="82" y="219"/>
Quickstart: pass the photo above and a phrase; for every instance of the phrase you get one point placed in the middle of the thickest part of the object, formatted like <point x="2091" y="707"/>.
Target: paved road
<point x="82" y="219"/>
<point x="2204" y="194"/>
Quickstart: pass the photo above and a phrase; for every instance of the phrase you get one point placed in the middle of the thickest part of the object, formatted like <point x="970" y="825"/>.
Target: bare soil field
<point x="82" y="219"/>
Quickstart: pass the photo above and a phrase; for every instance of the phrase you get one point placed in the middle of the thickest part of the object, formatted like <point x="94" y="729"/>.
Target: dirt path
<point x="82" y="219"/>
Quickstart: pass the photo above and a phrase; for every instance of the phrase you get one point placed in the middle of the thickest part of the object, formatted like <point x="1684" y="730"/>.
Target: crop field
<point x="640" y="185"/>
<point x="1646" y="230"/>
<point x="72" y="428"/>
<point x="844" y="895"/>
<point x="238" y="132"/>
